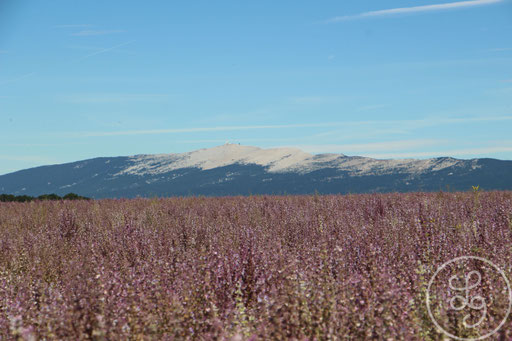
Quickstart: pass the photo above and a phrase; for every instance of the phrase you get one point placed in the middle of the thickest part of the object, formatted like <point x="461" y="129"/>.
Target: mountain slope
<point x="241" y="170"/>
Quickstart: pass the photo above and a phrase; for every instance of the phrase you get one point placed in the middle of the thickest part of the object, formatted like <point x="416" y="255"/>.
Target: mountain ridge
<point x="232" y="169"/>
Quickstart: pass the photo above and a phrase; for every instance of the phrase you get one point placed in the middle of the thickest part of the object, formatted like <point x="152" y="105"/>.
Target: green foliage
<point x="49" y="197"/>
<point x="27" y="198"/>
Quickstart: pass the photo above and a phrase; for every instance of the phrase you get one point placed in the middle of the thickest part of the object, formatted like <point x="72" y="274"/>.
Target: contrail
<point x="70" y="62"/>
<point x="102" y="51"/>
<point x="18" y="78"/>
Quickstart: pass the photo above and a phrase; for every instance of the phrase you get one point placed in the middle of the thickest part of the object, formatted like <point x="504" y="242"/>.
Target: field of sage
<point x="243" y="268"/>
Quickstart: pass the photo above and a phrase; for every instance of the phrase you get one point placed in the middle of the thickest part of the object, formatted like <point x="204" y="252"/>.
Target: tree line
<point x="53" y="196"/>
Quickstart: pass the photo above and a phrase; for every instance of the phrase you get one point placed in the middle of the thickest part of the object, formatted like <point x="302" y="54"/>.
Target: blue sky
<point x="387" y="79"/>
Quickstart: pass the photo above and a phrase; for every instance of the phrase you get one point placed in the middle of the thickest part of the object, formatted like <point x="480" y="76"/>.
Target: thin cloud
<point x="27" y="75"/>
<point x="235" y="140"/>
<point x="364" y="129"/>
<point x="30" y="145"/>
<point x="102" y="51"/>
<point x="85" y="47"/>
<point x="113" y="98"/>
<point x="88" y="48"/>
<point x="72" y="26"/>
<point x="349" y="133"/>
<point x="456" y="152"/>
<point x="432" y="122"/>
<point x="371" y="107"/>
<point x="416" y="9"/>
<point x="313" y="99"/>
<point x="370" y="147"/>
<point x="399" y="149"/>
<point x="71" y="62"/>
<point x="501" y="49"/>
<point x="411" y="124"/>
<point x="85" y="33"/>
<point x="203" y="129"/>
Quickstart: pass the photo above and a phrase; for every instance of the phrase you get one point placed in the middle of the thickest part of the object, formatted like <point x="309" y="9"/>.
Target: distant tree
<point x="7" y="197"/>
<point x="73" y="196"/>
<point x="53" y="197"/>
<point x="23" y="198"/>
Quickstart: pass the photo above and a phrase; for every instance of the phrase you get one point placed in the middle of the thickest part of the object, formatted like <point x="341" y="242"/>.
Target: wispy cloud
<point x="371" y="107"/>
<point x="85" y="33"/>
<point x="363" y="130"/>
<point x="454" y="153"/>
<point x="411" y="125"/>
<point x="504" y="91"/>
<point x="31" y="144"/>
<point x="27" y="75"/>
<point x="72" y="26"/>
<point x="416" y="9"/>
<point x="102" y="51"/>
<point x="201" y="129"/>
<point x="370" y="147"/>
<point x="401" y="149"/>
<point x="70" y="62"/>
<point x="87" y="48"/>
<point x="313" y="99"/>
<point x="113" y="98"/>
<point x="368" y="131"/>
<point x="501" y="49"/>
<point x="405" y="124"/>
<point x="236" y="140"/>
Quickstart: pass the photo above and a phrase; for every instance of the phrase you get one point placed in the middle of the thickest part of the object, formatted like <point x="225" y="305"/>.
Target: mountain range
<point x="232" y="169"/>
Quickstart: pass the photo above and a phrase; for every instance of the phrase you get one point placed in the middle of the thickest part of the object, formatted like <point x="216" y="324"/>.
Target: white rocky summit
<point x="277" y="160"/>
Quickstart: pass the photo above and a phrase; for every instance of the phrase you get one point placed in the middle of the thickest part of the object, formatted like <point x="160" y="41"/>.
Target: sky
<point x="386" y="79"/>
